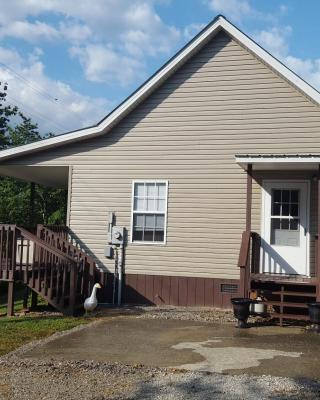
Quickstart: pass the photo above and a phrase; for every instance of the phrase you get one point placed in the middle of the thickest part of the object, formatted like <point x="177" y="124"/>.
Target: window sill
<point x="148" y="243"/>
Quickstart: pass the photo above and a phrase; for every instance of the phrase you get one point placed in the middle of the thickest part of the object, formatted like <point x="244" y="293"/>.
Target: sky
<point x="69" y="63"/>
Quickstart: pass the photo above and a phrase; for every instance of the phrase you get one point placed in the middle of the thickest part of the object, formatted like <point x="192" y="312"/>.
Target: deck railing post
<point x="73" y="288"/>
<point x="245" y="271"/>
<point x="10" y="303"/>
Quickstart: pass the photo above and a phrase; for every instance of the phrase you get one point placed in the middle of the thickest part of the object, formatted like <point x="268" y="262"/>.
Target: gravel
<point x="33" y="379"/>
<point x="198" y="314"/>
<point x="73" y="380"/>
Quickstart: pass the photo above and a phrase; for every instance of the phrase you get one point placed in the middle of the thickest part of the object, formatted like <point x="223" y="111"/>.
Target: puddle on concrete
<point x="219" y="359"/>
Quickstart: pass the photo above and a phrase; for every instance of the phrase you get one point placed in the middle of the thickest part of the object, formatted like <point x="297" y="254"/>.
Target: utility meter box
<point x="108" y="252"/>
<point x="116" y="236"/>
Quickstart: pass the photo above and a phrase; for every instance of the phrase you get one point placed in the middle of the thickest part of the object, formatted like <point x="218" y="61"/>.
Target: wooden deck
<point x="49" y="264"/>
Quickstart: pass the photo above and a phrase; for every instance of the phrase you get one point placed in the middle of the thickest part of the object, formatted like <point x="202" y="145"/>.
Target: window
<point x="285" y="219"/>
<point x="149" y="211"/>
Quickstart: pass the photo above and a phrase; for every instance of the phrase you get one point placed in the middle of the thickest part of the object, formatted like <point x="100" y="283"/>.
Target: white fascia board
<point x="277" y="160"/>
<point x="106" y="124"/>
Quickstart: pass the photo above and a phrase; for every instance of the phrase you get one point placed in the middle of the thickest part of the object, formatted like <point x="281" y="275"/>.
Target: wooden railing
<point x="55" y="274"/>
<point x="249" y="259"/>
<point x="60" y="238"/>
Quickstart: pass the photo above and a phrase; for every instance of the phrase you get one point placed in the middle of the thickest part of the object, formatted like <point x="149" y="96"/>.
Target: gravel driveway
<point x="55" y="379"/>
<point x="50" y="380"/>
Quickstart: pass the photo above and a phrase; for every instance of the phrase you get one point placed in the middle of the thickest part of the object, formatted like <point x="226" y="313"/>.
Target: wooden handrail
<point x="61" y="239"/>
<point x="244" y="249"/>
<point x="44" y="268"/>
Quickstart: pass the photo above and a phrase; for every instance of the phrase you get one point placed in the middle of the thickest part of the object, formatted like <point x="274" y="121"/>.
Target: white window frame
<point x="165" y="212"/>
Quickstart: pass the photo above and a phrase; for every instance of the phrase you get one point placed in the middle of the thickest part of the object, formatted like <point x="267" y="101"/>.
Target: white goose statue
<point x="91" y="302"/>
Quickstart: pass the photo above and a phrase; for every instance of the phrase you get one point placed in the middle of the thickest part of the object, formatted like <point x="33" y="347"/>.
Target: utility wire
<point x="32" y="85"/>
<point x="37" y="114"/>
<point x="38" y="90"/>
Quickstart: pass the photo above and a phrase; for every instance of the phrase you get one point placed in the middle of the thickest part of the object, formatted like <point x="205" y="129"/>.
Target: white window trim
<point x="165" y="212"/>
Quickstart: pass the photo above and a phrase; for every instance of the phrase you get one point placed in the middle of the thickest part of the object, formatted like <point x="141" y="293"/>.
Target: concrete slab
<point x="289" y="352"/>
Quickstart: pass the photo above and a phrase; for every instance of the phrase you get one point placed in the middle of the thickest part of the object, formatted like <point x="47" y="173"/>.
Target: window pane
<point x="294" y="224"/>
<point x="138" y="220"/>
<point x="159" y="222"/>
<point x="150" y="222"/>
<point x="137" y="235"/>
<point x="159" y="236"/>
<point x="161" y="205"/>
<point x="139" y="189"/>
<point x="139" y="204"/>
<point x="151" y="204"/>
<point x="284" y="224"/>
<point x="161" y="190"/>
<point x="150" y="190"/>
<point x="276" y="209"/>
<point x="294" y="196"/>
<point x="148" y="235"/>
<point x="294" y="210"/>
<point x="285" y="209"/>
<point x="285" y="196"/>
<point x="276" y="195"/>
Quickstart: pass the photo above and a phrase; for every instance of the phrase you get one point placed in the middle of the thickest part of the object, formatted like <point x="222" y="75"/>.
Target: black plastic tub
<point x="241" y="310"/>
<point x="314" y="314"/>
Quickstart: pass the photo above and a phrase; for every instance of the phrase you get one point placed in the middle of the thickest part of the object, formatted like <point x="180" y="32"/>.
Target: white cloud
<point x="276" y="40"/>
<point x="31" y="90"/>
<point x="233" y="9"/>
<point x="31" y="32"/>
<point x="103" y="64"/>
<point x="132" y="28"/>
<point x="191" y="30"/>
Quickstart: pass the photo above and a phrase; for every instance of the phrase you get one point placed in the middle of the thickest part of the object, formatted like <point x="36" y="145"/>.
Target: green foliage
<point x="50" y="204"/>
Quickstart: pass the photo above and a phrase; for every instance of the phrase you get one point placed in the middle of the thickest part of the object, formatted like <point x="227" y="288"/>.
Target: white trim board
<point x="218" y="24"/>
<point x="266" y="183"/>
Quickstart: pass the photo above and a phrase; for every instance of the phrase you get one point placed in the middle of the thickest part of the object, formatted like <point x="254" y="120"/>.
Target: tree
<point x="50" y="204"/>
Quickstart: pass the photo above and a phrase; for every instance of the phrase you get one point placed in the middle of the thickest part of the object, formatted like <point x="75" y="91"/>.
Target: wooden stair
<point x="50" y="264"/>
<point x="286" y="300"/>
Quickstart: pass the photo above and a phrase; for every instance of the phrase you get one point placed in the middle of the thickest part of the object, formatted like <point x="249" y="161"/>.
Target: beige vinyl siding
<point x="221" y="102"/>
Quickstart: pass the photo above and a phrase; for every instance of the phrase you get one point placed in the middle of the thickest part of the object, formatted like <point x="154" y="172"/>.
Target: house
<point x="211" y="166"/>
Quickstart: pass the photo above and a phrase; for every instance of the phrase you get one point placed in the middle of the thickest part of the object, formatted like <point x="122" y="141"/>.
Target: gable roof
<point x="106" y="124"/>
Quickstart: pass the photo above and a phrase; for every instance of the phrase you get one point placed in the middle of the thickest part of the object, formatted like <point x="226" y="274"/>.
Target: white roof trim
<point x="277" y="159"/>
<point x="200" y="40"/>
<point x="279" y="162"/>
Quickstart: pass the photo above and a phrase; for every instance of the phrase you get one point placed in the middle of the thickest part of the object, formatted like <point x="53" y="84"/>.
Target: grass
<point x="16" y="331"/>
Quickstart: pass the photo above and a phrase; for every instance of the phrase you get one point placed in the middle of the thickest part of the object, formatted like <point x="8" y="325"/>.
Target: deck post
<point x="244" y="271"/>
<point x="32" y="204"/>
<point x="317" y="267"/>
<point x="10" y="303"/>
<point x="34" y="300"/>
<point x="25" y="298"/>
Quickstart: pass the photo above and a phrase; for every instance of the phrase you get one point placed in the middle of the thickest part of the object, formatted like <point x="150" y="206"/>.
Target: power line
<point x="38" y="115"/>
<point x="40" y="91"/>
<point x="32" y="85"/>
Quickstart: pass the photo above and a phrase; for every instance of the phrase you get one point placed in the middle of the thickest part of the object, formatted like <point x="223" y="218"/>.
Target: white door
<point x="285" y="230"/>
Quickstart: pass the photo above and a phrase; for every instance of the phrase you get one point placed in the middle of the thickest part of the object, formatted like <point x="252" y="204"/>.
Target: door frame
<point x="263" y="214"/>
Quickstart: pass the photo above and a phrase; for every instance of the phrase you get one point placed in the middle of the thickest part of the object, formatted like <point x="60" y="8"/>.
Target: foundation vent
<point x="229" y="288"/>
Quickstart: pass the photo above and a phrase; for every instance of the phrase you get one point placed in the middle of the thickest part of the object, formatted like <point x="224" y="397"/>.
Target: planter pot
<point x="241" y="310"/>
<point x="314" y="313"/>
